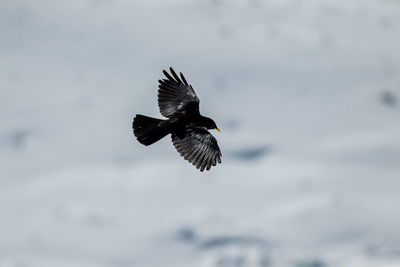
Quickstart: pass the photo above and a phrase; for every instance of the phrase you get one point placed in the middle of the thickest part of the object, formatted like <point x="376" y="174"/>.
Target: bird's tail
<point x="148" y="130"/>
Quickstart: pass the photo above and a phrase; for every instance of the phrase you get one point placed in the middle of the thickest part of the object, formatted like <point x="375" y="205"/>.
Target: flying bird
<point x="179" y="103"/>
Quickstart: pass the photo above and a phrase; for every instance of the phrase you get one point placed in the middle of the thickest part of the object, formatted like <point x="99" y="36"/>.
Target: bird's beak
<point x="217" y="129"/>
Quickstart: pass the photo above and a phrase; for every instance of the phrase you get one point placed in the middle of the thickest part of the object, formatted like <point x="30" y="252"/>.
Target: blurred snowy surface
<point x="306" y="94"/>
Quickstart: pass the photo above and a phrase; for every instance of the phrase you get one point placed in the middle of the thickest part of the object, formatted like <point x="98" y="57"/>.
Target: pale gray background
<point x="306" y="94"/>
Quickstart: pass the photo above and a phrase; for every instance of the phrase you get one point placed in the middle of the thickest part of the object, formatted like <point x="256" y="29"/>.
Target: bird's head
<point x="210" y="124"/>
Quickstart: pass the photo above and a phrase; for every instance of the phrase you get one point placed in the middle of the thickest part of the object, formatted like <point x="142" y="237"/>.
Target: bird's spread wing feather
<point x="175" y="95"/>
<point x="198" y="147"/>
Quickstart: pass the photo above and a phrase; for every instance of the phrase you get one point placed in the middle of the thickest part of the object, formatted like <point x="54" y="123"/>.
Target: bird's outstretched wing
<point x="176" y="96"/>
<point x="198" y="147"/>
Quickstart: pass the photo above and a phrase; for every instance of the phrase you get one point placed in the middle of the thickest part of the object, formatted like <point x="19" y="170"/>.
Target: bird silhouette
<point x="179" y="103"/>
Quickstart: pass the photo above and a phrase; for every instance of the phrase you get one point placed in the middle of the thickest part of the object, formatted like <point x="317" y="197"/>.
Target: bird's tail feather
<point x="148" y="130"/>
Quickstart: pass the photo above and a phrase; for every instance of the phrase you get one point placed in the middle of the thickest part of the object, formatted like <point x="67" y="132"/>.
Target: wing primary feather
<point x="214" y="160"/>
<point x="163" y="81"/>
<point x="209" y="159"/>
<point x="175" y="76"/>
<point x="209" y="165"/>
<point x="206" y="153"/>
<point x="204" y="160"/>
<point x="183" y="79"/>
<point x="194" y="154"/>
<point x="200" y="155"/>
<point x="201" y="160"/>
<point x="168" y="76"/>
<point x="187" y="151"/>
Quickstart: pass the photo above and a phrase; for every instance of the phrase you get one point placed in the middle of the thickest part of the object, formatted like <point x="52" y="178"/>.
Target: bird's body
<point x="188" y="128"/>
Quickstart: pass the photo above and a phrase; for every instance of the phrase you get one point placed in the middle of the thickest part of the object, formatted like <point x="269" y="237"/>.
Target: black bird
<point x="180" y="105"/>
